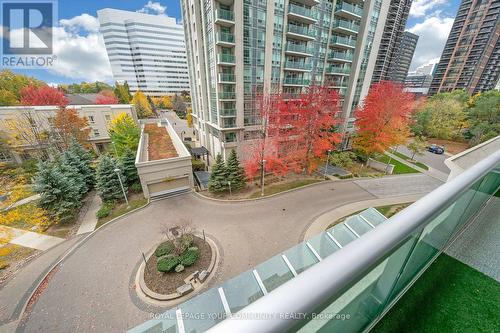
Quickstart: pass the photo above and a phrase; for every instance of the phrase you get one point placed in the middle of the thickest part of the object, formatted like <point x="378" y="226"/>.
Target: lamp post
<point x="263" y="174"/>
<point x="327" y="160"/>
<point x="121" y="184"/>
<point x="230" y="193"/>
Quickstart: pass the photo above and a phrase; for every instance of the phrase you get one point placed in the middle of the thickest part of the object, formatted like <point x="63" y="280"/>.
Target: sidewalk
<point x="434" y="173"/>
<point x="29" y="239"/>
<point x="89" y="219"/>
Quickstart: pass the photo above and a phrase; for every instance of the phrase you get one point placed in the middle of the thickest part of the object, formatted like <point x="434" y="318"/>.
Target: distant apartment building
<point x="418" y="84"/>
<point x="387" y="67"/>
<point x="471" y="56"/>
<point x="426" y="69"/>
<point x="402" y="59"/>
<point x="98" y="116"/>
<point x="237" y="49"/>
<point x="147" y="51"/>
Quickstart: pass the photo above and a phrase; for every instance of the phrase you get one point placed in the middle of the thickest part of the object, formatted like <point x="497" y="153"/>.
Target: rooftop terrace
<point x="160" y="144"/>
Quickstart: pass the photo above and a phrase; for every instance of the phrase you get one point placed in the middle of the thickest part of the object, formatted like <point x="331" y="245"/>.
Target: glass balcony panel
<point x="301" y="48"/>
<point x="227" y="58"/>
<point x="349" y="8"/>
<point x="274" y="272"/>
<point x="304" y="31"/>
<point x="346" y="25"/>
<point x="358" y="224"/>
<point x="342" y="234"/>
<point x="323" y="245"/>
<point x="300" y="257"/>
<point x="373" y="216"/>
<point x="166" y="324"/>
<point x="203" y="311"/>
<point x="241" y="291"/>
<point x="303" y="11"/>
<point x="225" y="14"/>
<point x="225" y="37"/>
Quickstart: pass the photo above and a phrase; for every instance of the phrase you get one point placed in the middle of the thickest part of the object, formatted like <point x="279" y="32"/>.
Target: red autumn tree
<point x="262" y="146"/>
<point x="307" y="127"/>
<point x="68" y="125"/>
<point x="384" y="118"/>
<point x="43" y="95"/>
<point x="106" y="97"/>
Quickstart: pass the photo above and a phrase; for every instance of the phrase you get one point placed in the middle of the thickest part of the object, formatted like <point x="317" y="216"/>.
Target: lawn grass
<point x="391" y="210"/>
<point x="399" y="168"/>
<point x="408" y="159"/>
<point x="121" y="209"/>
<point x="449" y="297"/>
<point x="273" y="189"/>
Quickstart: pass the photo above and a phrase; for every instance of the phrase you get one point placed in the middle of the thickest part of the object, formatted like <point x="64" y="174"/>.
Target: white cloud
<point x="433" y="33"/>
<point x="153" y="8"/>
<point x="85" y="21"/>
<point x="420" y="8"/>
<point x="81" y="57"/>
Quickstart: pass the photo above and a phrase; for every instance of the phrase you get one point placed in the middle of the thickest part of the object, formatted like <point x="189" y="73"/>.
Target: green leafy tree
<point x="122" y="92"/>
<point x="124" y="134"/>
<point x="484" y="116"/>
<point x="108" y="184"/>
<point x="417" y="146"/>
<point x="235" y="172"/>
<point x="141" y="104"/>
<point x="217" y="182"/>
<point x="11" y="85"/>
<point x="7" y="98"/>
<point x="127" y="165"/>
<point x="58" y="193"/>
<point x="447" y="117"/>
<point x="79" y="158"/>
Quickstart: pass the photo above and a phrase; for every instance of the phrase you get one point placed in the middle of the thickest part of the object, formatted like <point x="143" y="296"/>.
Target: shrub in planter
<point x="183" y="243"/>
<point x="136" y="187"/>
<point x="179" y="268"/>
<point x="167" y="264"/>
<point x="190" y="257"/>
<point x="164" y="249"/>
<point x="105" y="210"/>
<point x="198" y="165"/>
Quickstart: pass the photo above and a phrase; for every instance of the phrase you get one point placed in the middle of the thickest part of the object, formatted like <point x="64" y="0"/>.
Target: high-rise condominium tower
<point x="471" y="56"/>
<point x="402" y="59"/>
<point x="237" y="49"/>
<point x="147" y="51"/>
<point x="387" y="59"/>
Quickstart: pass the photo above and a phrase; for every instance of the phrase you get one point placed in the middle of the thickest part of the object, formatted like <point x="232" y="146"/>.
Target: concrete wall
<point x="460" y="162"/>
<point x="164" y="171"/>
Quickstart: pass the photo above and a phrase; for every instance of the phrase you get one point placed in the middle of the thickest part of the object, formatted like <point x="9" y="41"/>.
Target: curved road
<point x="92" y="290"/>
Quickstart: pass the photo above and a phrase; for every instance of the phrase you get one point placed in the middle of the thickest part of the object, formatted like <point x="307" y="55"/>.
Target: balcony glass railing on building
<point x="299" y="48"/>
<point x="343" y="41"/>
<point x="297" y="65"/>
<point x="225" y="37"/>
<point x="340" y="56"/>
<point x="300" y="30"/>
<point x="224" y="14"/>
<point x="302" y="11"/>
<point x="338" y="70"/>
<point x="348" y="25"/>
<point x="228" y="112"/>
<point x="351" y="9"/>
<point x="228" y="123"/>
<point x="226" y="58"/>
<point x="227" y="95"/>
<point x="227" y="77"/>
<point x="296" y="81"/>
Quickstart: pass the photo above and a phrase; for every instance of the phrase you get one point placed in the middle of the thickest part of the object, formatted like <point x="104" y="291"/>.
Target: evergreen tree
<point x="127" y="165"/>
<point x="79" y="158"/>
<point x="235" y="173"/>
<point x="108" y="184"/>
<point x="217" y="182"/>
<point x="57" y="193"/>
<point x="79" y="185"/>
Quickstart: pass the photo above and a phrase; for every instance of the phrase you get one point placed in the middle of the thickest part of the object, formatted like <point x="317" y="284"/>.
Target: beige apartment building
<point x="99" y="116"/>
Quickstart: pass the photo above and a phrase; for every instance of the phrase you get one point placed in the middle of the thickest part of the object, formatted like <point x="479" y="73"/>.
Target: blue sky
<point x="82" y="56"/>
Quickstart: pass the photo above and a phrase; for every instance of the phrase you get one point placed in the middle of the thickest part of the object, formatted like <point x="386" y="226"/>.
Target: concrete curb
<point x="321" y="222"/>
<point x="68" y="253"/>
<point x="261" y="198"/>
<point x="151" y="297"/>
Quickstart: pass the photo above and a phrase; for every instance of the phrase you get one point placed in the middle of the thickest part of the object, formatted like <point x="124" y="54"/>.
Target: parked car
<point x="436" y="149"/>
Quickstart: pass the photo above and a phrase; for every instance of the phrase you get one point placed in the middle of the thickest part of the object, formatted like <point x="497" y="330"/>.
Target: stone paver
<point x="93" y="290"/>
<point x="478" y="246"/>
<point x="394" y="185"/>
<point x="89" y="220"/>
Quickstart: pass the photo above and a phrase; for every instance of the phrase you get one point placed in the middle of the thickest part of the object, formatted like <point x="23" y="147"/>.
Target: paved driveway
<point x="432" y="160"/>
<point x="93" y="289"/>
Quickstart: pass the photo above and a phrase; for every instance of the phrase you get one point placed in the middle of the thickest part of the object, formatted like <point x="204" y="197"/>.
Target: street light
<point x="230" y="193"/>
<point x="263" y="173"/>
<point x="121" y="184"/>
<point x="327" y="160"/>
